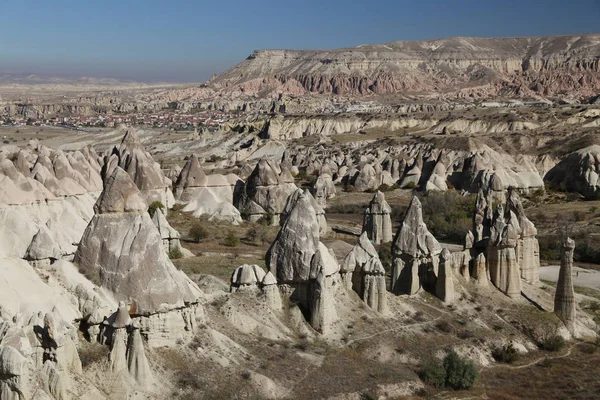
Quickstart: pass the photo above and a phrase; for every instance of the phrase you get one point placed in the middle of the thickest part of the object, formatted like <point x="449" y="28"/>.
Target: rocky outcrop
<point x="528" y="249"/>
<point x="415" y="253"/>
<point x="363" y="272"/>
<point x="304" y="267"/>
<point x="578" y="172"/>
<point x="501" y="253"/>
<point x="52" y="203"/>
<point x="202" y="194"/>
<point x="377" y="222"/>
<point x="122" y="251"/>
<point x="291" y="203"/>
<point x="247" y="277"/>
<point x="481" y="273"/>
<point x="519" y="66"/>
<point x="323" y="189"/>
<point x="564" y="299"/>
<point x="266" y="192"/>
<point x="141" y="167"/>
<point x="444" y="288"/>
<point x="169" y="235"/>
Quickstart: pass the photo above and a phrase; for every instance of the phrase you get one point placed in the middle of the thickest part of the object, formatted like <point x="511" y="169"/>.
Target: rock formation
<point x="480" y="271"/>
<point x="323" y="189"/>
<point x="122" y="251"/>
<point x="578" y="172"/>
<point x="564" y="299"/>
<point x="170" y="236"/>
<point x="377" y="222"/>
<point x="202" y="194"/>
<point x="291" y="203"/>
<point x="362" y="272"/>
<point x="247" y="277"/>
<point x="444" y="288"/>
<point x="141" y="167"/>
<point x="519" y="66"/>
<point x="528" y="249"/>
<point x="266" y="191"/>
<point x="415" y="253"/>
<point x="304" y="266"/>
<point x="501" y="254"/>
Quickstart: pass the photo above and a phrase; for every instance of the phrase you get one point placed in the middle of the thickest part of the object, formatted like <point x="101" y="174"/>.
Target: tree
<point x="231" y="240"/>
<point x="198" y="233"/>
<point x="154" y="206"/>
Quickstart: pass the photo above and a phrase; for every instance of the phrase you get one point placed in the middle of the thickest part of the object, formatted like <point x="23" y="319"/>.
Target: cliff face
<point x="474" y="66"/>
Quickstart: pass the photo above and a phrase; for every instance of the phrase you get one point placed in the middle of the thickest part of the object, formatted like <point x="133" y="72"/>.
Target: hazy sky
<point x="186" y="40"/>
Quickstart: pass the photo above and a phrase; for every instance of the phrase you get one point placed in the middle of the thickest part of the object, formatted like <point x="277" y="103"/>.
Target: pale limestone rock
<point x="268" y="186"/>
<point x="13" y="374"/>
<point x="118" y="352"/>
<point x="291" y="202"/>
<point x="169" y="235"/>
<point x="480" y="271"/>
<point x="377" y="221"/>
<point x="43" y="250"/>
<point x="444" y="288"/>
<point x="271" y="291"/>
<point x="137" y="363"/>
<point x="304" y="266"/>
<point x="143" y="170"/>
<point x="246" y="277"/>
<point x="528" y="250"/>
<point x="122" y="250"/>
<point x="564" y="299"/>
<point x="202" y="194"/>
<point x="415" y="253"/>
<point x="323" y="189"/>
<point x="362" y="272"/>
<point x="501" y="255"/>
<point x="366" y="179"/>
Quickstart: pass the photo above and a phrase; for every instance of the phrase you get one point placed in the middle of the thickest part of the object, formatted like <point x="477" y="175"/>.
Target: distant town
<point x="168" y="119"/>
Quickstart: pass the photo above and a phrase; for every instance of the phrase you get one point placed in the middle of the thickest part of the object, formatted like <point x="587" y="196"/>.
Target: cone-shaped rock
<point x="480" y="271"/>
<point x="377" y="221"/>
<point x="528" y="249"/>
<point x="192" y="175"/>
<point x="143" y="170"/>
<point x="362" y="272"/>
<point x="415" y="253"/>
<point x="564" y="299"/>
<point x="290" y="254"/>
<point x="137" y="363"/>
<point x="300" y="261"/>
<point x="122" y="250"/>
<point x="502" y="256"/>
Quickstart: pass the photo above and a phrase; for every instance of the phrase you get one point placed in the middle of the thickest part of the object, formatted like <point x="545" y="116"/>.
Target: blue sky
<point x="185" y="40"/>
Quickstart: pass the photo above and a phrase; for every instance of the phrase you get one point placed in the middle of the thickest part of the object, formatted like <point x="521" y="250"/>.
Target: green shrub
<point x="448" y="215"/>
<point x="410" y="185"/>
<point x="154" y="206"/>
<point x="231" y="240"/>
<point x="552" y="342"/>
<point x="461" y="373"/>
<point x="454" y="372"/>
<point x="505" y="354"/>
<point x="198" y="233"/>
<point x="433" y="373"/>
<point x="175" y="253"/>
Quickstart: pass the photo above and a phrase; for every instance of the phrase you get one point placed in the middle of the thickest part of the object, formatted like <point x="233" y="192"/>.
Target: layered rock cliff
<point x="477" y="66"/>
